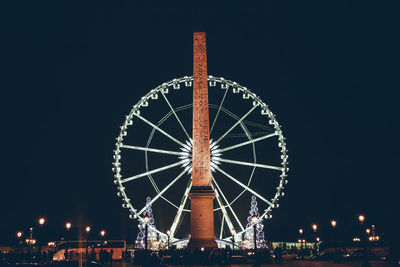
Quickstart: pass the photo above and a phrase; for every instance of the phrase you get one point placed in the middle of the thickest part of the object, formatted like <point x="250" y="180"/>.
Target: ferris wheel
<point x="153" y="156"/>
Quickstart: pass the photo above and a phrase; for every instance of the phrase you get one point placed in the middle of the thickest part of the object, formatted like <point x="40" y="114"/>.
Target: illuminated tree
<point x="151" y="235"/>
<point x="248" y="242"/>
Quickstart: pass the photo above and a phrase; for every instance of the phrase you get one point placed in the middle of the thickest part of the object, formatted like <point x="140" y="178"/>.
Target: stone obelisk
<point x="201" y="196"/>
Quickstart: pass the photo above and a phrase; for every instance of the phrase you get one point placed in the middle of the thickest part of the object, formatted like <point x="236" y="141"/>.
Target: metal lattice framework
<point x="183" y="153"/>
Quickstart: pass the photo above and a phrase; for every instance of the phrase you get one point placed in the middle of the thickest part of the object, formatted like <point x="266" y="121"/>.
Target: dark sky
<point x="70" y="72"/>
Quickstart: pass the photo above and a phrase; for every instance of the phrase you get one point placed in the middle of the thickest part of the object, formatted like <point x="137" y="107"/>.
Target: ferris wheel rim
<point x="175" y="83"/>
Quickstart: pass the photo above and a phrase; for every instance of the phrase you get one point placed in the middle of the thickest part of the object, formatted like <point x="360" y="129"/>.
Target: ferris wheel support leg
<point x="224" y="212"/>
<point x="229" y="206"/>
<point x="222" y="227"/>
<point x="180" y="210"/>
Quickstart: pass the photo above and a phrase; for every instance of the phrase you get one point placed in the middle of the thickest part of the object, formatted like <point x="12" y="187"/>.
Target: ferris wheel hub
<point x="187" y="152"/>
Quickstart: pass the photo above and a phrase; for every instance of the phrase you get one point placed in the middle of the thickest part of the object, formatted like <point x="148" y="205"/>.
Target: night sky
<point x="70" y="72"/>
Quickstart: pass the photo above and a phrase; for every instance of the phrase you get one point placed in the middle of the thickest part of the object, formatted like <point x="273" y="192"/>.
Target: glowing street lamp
<point x="315" y="227"/>
<point x="87" y="229"/>
<point x="102" y="233"/>
<point x="19" y="235"/>
<point x="361" y="218"/>
<point x="368" y="231"/>
<point x="42" y="221"/>
<point x="333" y="224"/>
<point x="301" y="241"/>
<point x="68" y="227"/>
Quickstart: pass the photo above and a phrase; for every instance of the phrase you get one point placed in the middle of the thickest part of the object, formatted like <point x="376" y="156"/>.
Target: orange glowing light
<point x="314" y="227"/>
<point x="42" y="221"/>
<point x="102" y="232"/>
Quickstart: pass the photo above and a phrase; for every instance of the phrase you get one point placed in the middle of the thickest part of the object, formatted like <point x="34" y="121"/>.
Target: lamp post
<point x="19" y="235"/>
<point x="41" y="222"/>
<point x="87" y="229"/>
<point x="315" y="227"/>
<point x="254" y="220"/>
<point x="168" y="236"/>
<point x="146" y="227"/>
<point x="333" y="224"/>
<point x="301" y="242"/>
<point x="102" y="235"/>
<point x="68" y="227"/>
<point x="30" y="243"/>
<point x="361" y="219"/>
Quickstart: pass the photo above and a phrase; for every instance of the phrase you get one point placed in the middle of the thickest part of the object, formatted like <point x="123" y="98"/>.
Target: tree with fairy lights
<point x="151" y="235"/>
<point x="248" y="241"/>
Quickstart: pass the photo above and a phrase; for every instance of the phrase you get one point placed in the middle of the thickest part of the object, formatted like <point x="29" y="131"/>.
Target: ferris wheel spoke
<point x="227" y="202"/>
<point x="219" y="109"/>
<point x="172" y="204"/>
<point x="151" y="172"/>
<point x="159" y="129"/>
<point x="153" y="183"/>
<point x="180" y="209"/>
<point x="244" y="186"/>
<point x="153" y="150"/>
<point x="162" y="191"/>
<point x="236" y="124"/>
<point x="248" y="142"/>
<point x="176" y="116"/>
<point x="251" y="164"/>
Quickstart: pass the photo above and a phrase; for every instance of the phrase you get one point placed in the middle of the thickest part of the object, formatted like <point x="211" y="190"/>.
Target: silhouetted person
<point x="278" y="255"/>
<point x="111" y="256"/>
<point x="93" y="255"/>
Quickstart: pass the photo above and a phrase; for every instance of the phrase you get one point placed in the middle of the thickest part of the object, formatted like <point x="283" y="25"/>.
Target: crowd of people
<point x="198" y="257"/>
<point x="104" y="257"/>
<point x="26" y="256"/>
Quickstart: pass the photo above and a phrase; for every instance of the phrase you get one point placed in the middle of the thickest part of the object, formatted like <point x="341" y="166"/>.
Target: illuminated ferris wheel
<point x="153" y="156"/>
